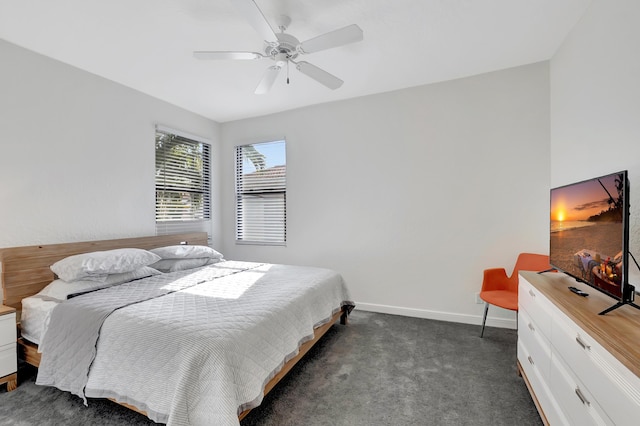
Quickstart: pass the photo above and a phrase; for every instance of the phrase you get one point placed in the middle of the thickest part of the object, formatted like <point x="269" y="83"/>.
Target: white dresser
<point x="580" y="367"/>
<point x="8" y="353"/>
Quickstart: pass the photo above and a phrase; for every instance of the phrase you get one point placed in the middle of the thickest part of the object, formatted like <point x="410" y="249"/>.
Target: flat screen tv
<point x="589" y="237"/>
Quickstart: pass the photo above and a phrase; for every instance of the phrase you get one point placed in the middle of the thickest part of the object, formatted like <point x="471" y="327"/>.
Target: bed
<point x="198" y="346"/>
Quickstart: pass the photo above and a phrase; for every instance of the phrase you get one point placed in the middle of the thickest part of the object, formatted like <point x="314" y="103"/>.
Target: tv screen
<point x="589" y="237"/>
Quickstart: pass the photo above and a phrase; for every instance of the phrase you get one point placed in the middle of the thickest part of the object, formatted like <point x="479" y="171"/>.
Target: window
<point x="261" y="193"/>
<point x="183" y="176"/>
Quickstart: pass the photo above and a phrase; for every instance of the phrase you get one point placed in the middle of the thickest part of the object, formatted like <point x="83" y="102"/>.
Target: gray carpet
<point x="378" y="370"/>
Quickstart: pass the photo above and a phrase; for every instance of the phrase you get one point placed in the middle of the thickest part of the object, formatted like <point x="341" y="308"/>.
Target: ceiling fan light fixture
<point x="281" y="59"/>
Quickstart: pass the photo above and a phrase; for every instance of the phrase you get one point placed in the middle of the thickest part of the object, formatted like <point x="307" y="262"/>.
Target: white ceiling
<point x="148" y="44"/>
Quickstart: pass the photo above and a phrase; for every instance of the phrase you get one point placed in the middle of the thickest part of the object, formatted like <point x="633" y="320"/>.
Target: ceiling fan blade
<point x="340" y="37"/>
<point x="227" y="55"/>
<point x="319" y="75"/>
<point x="268" y="79"/>
<point x="253" y="14"/>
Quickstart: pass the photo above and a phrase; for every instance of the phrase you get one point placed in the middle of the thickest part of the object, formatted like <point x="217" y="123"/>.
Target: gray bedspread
<point x="189" y="347"/>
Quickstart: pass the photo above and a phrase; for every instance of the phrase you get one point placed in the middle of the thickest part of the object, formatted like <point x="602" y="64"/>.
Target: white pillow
<point x="173" y="265"/>
<point x="97" y="265"/>
<point x="61" y="290"/>
<point x="186" y="252"/>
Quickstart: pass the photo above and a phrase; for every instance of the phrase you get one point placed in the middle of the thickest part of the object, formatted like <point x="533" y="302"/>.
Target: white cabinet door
<point x="8" y="353"/>
<point x="543" y="394"/>
<point x="536" y="343"/>
<point x="8" y="359"/>
<point x="536" y="305"/>
<point x="7" y="329"/>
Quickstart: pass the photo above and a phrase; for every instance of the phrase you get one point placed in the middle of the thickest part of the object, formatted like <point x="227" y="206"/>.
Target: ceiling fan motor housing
<point x="287" y="45"/>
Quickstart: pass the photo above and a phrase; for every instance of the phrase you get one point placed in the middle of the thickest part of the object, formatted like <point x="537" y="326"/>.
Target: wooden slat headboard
<point x="25" y="270"/>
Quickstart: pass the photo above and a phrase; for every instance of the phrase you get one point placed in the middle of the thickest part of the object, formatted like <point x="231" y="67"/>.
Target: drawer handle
<point x="583" y="344"/>
<point x="532" y="293"/>
<point x="584" y="400"/>
<point x="531" y="327"/>
<point x="530" y="360"/>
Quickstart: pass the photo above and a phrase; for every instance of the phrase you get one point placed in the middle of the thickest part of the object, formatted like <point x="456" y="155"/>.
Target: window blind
<point x="183" y="180"/>
<point x="261" y="193"/>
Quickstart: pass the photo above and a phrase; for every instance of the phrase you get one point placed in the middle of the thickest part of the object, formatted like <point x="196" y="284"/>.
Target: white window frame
<point x="261" y="195"/>
<point x="172" y="221"/>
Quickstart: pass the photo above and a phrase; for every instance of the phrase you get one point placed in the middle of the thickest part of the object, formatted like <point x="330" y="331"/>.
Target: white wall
<point x="77" y="153"/>
<point x="595" y="103"/>
<point x="411" y="194"/>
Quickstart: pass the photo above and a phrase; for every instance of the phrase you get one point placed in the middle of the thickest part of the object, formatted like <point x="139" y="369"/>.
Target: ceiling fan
<point x="284" y="48"/>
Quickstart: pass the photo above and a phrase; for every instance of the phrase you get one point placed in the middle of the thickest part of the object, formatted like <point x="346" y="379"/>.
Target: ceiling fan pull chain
<point x="287" y="72"/>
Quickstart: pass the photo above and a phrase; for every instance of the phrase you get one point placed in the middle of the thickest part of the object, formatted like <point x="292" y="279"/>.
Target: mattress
<point x="35" y="316"/>
<point x="198" y="349"/>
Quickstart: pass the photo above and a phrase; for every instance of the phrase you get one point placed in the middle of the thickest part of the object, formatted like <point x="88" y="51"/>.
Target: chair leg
<point x="484" y="318"/>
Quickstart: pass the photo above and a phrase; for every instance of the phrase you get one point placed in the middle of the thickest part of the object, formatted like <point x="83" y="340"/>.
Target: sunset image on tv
<point x="587" y="228"/>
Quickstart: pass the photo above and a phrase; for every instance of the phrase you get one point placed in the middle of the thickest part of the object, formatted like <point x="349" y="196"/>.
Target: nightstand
<point x="8" y="352"/>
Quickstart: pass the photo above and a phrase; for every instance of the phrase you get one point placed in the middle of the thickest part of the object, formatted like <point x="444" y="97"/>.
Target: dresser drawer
<point x="549" y="406"/>
<point x="7" y="328"/>
<point x="606" y="378"/>
<point x="8" y="359"/>
<point x="537" y="344"/>
<point x="537" y="306"/>
<point x="577" y="402"/>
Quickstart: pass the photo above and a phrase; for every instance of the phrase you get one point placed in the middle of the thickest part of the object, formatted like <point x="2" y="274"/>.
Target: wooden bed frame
<point x="25" y="271"/>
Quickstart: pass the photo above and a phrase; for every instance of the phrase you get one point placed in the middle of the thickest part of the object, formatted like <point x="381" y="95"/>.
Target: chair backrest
<point x="529" y="262"/>
<point x="532" y="262"/>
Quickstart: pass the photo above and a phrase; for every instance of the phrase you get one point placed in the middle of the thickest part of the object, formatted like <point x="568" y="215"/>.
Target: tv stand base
<point x="617" y="305"/>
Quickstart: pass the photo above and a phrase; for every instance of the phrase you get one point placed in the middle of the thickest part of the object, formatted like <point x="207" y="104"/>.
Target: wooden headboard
<point x="25" y="270"/>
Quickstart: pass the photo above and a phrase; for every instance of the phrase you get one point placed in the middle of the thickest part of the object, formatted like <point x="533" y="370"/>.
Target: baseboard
<point x="437" y="315"/>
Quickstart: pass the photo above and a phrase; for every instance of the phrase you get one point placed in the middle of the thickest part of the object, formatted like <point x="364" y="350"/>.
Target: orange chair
<point x="500" y="290"/>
